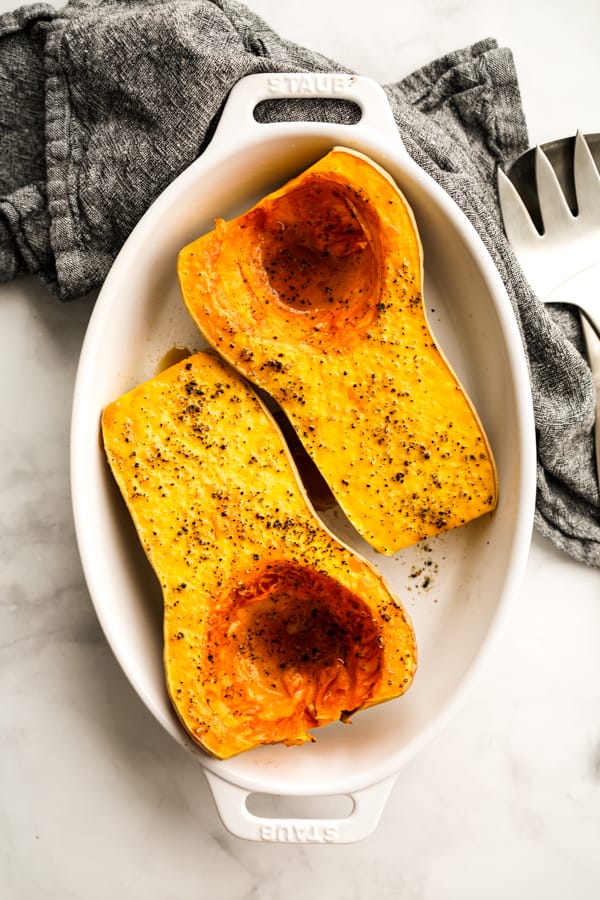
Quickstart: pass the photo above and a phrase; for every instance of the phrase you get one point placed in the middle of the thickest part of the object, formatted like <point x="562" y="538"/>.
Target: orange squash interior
<point x="315" y="294"/>
<point x="272" y="626"/>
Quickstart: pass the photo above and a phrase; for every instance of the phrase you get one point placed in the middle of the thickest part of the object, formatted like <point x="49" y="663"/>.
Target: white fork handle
<point x="583" y="291"/>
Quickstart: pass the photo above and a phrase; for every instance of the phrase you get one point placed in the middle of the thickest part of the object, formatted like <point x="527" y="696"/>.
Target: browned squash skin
<point x="271" y="626"/>
<point x="315" y="295"/>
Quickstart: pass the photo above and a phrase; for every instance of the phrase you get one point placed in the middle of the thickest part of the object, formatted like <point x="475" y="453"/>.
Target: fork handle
<point x="581" y="290"/>
<point x="592" y="344"/>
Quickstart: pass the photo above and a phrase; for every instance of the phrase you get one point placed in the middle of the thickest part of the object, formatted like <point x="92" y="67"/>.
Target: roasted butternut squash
<point x="315" y="295"/>
<point x="272" y="627"/>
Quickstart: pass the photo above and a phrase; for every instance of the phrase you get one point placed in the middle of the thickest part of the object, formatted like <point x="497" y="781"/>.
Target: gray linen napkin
<point x="104" y="102"/>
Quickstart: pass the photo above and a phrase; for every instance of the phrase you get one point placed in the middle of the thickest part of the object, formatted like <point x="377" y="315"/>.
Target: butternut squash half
<point x="272" y="627"/>
<point x="315" y="295"/>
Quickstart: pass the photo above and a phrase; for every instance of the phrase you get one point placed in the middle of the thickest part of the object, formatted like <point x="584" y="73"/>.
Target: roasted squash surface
<point x="315" y="295"/>
<point x="271" y="625"/>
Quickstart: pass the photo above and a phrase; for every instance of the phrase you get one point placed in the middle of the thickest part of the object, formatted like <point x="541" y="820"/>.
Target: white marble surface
<point x="97" y="802"/>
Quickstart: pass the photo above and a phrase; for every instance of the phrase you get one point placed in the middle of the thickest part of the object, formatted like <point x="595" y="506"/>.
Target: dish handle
<point x="367" y="806"/>
<point x="237" y="117"/>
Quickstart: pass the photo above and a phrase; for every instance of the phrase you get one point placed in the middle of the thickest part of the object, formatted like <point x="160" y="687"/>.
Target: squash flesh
<point x="293" y="650"/>
<point x="271" y="626"/>
<point x="315" y="295"/>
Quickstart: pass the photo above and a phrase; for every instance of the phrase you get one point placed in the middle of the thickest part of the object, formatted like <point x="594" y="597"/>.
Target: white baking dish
<point x="455" y="587"/>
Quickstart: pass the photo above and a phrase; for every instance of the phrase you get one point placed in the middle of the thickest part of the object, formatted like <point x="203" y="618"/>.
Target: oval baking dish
<point x="455" y="587"/>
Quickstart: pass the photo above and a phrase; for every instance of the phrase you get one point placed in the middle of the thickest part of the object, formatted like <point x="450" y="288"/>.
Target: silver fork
<point x="562" y="264"/>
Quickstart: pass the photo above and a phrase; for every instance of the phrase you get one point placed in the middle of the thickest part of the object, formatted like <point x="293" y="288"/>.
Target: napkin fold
<point x="104" y="102"/>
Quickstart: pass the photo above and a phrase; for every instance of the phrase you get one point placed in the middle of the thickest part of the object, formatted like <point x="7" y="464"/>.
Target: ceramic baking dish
<point x="455" y="587"/>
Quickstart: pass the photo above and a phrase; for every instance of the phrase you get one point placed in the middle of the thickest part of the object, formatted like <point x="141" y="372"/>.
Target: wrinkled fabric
<point x="104" y="102"/>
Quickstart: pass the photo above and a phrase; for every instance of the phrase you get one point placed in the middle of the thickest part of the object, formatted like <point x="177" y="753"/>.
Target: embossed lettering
<point x="306" y="84"/>
<point x="291" y="832"/>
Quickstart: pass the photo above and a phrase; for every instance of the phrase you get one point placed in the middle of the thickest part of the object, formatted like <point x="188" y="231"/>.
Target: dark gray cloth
<point x="104" y="102"/>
